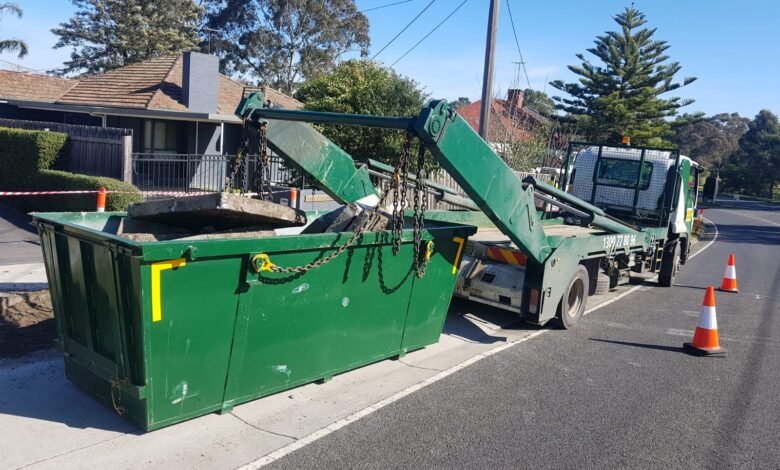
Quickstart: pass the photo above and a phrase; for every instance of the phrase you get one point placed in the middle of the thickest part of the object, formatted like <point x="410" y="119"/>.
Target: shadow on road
<point x="690" y="287"/>
<point x="760" y="234"/>
<point x="640" y="345"/>
<point x="481" y="323"/>
<point x="17" y="218"/>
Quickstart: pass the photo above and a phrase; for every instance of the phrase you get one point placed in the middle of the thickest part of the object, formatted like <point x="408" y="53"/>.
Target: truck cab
<point x="651" y="190"/>
<point x="663" y="193"/>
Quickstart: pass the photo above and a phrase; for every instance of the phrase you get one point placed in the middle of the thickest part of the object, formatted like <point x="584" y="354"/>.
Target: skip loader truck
<point x="618" y="210"/>
<point x="163" y="318"/>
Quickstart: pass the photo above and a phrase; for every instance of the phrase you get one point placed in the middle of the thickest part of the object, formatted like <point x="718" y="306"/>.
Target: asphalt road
<point x="618" y="391"/>
<point x="19" y="242"/>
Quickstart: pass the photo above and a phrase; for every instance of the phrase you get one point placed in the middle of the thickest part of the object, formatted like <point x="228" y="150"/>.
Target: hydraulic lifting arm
<point x="312" y="153"/>
<point x="480" y="172"/>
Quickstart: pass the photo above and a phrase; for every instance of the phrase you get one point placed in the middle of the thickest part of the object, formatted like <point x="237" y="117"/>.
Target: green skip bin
<point x="164" y="331"/>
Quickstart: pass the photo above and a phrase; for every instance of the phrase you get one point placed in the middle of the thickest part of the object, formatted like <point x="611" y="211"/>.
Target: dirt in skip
<point x="26" y="323"/>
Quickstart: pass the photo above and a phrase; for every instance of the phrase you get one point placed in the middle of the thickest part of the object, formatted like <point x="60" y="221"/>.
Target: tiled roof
<point x="32" y="86"/>
<point x="155" y="84"/>
<point x="132" y="86"/>
<point x="506" y="124"/>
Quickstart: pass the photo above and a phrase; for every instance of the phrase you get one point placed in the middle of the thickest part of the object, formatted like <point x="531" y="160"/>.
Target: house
<point x="174" y="104"/>
<point x="509" y="120"/>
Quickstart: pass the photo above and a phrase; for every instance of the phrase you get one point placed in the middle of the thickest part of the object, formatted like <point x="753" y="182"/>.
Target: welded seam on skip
<point x="319" y="434"/>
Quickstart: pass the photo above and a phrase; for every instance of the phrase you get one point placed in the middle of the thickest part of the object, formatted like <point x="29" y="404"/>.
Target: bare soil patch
<point x="26" y="323"/>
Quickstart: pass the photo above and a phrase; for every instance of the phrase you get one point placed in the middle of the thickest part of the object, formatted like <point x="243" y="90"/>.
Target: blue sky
<point x="733" y="47"/>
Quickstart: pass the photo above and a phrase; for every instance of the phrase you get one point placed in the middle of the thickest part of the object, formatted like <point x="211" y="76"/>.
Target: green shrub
<point x="53" y="180"/>
<point x="23" y="153"/>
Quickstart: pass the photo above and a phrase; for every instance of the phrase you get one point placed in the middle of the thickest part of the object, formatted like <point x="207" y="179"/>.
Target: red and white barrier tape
<point x="151" y="193"/>
<point x="145" y="193"/>
<point x="42" y="193"/>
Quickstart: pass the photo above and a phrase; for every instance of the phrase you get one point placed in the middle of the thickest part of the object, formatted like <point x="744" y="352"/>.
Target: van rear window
<point x="622" y="173"/>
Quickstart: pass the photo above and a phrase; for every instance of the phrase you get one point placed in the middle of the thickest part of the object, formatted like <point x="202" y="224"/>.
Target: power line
<point x="431" y="32"/>
<point x="517" y="43"/>
<point x="405" y="28"/>
<point x="385" y="6"/>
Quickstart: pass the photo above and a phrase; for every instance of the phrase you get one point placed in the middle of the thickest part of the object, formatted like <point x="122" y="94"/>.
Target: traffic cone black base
<point x="691" y="349"/>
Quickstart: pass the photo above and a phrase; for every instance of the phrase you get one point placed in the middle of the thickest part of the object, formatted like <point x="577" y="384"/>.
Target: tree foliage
<point x="755" y="167"/>
<point x="108" y="34"/>
<point x="709" y="141"/>
<point x="621" y="93"/>
<point x="363" y="87"/>
<point x="539" y="102"/>
<point x="281" y="43"/>
<point x="12" y="45"/>
<point x="460" y="102"/>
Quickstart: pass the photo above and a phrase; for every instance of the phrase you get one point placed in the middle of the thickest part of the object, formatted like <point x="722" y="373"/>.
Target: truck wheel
<point x="602" y="284"/>
<point x="670" y="264"/>
<point x="575" y="297"/>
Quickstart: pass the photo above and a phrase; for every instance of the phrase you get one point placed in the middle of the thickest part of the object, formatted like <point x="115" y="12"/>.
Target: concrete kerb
<point x="316" y="435"/>
<point x="274" y="438"/>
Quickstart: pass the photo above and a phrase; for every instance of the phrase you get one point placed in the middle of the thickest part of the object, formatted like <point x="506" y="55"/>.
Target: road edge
<point x="320" y="433"/>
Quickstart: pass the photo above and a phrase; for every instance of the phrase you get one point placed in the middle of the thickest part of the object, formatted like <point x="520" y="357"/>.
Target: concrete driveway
<point x="21" y="261"/>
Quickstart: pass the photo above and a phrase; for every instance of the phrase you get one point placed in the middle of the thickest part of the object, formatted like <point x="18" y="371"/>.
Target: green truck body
<point x="567" y="251"/>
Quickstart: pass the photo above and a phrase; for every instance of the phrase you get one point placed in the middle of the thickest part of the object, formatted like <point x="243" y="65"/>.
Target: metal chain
<point x="236" y="163"/>
<point x="420" y="259"/>
<point x="398" y="190"/>
<point x="262" y="176"/>
<point x="369" y="221"/>
<point x="400" y="177"/>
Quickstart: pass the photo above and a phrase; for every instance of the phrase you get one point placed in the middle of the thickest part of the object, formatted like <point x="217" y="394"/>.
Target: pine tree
<point x="108" y="34"/>
<point x="621" y="95"/>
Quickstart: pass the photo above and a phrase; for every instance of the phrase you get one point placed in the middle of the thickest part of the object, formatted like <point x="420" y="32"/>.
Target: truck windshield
<point x="622" y="173"/>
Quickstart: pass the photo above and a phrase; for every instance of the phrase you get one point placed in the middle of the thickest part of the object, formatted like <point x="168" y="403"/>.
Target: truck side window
<point x="622" y="173"/>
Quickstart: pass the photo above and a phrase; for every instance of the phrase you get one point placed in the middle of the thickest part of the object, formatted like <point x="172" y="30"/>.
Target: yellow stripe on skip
<point x="460" y="241"/>
<point x="158" y="268"/>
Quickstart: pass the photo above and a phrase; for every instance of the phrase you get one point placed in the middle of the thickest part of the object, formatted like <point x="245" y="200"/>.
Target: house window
<point x="622" y="173"/>
<point x="160" y="136"/>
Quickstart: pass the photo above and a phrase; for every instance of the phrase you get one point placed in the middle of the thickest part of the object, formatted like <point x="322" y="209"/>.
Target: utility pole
<point x="487" y="76"/>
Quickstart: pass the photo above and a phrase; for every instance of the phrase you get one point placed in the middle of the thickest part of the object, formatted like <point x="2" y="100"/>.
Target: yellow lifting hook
<point x="261" y="262"/>
<point x="429" y="250"/>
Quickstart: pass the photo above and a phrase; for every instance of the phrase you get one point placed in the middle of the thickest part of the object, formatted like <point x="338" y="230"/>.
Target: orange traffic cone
<point x="705" y="339"/>
<point x="729" y="283"/>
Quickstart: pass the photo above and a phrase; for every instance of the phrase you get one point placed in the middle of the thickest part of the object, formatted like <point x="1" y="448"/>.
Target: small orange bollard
<point x="101" y="199"/>
<point x="294" y="197"/>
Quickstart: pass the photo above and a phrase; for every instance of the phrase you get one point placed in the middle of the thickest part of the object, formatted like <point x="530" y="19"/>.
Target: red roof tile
<point x="501" y="128"/>
<point x="155" y="84"/>
<point x="33" y="86"/>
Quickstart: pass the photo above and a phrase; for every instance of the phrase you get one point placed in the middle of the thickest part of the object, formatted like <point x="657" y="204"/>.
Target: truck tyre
<point x="602" y="284"/>
<point x="575" y="297"/>
<point x="670" y="264"/>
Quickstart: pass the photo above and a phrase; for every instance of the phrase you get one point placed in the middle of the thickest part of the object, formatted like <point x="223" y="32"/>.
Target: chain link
<point x="237" y="163"/>
<point x="420" y="260"/>
<point x="262" y="176"/>
<point x="368" y="222"/>
<point x="399" y="191"/>
<point x="400" y="177"/>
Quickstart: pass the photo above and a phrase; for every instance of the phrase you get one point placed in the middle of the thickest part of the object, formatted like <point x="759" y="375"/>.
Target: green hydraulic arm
<point x="480" y="172"/>
<point x="313" y="154"/>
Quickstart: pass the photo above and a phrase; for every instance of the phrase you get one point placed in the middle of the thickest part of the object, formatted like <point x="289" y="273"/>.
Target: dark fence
<point x="100" y="151"/>
<point x="157" y="174"/>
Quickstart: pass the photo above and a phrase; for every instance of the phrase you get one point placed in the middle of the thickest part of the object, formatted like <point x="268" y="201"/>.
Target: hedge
<point x="23" y="153"/>
<point x="53" y="180"/>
